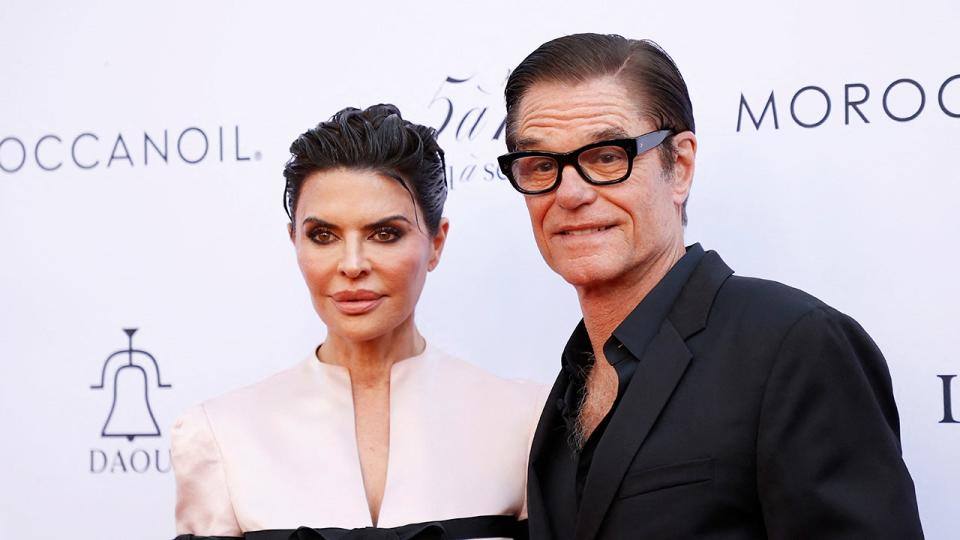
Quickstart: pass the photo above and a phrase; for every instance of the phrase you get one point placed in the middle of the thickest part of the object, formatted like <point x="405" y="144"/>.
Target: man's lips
<point x="582" y="230"/>
<point x="356" y="302"/>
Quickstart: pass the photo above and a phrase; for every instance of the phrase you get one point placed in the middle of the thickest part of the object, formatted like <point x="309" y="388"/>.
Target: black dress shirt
<point x="622" y="351"/>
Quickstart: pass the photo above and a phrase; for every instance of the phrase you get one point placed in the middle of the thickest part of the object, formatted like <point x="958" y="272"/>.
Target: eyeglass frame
<point x="633" y="146"/>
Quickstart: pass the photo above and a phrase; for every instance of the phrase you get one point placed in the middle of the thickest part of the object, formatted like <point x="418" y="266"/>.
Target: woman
<point x="375" y="429"/>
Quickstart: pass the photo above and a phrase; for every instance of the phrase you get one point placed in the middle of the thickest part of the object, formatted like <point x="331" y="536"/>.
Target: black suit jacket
<point x="755" y="412"/>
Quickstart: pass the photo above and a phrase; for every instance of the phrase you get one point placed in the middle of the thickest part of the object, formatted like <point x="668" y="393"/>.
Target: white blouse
<point x="282" y="453"/>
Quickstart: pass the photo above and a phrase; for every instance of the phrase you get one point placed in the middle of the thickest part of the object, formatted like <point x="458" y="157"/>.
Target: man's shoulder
<point x="773" y="291"/>
<point x="761" y="319"/>
<point x="767" y="301"/>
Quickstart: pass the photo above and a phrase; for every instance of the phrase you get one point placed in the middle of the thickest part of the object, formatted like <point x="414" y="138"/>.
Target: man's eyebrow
<point x="526" y="143"/>
<point x="610" y="133"/>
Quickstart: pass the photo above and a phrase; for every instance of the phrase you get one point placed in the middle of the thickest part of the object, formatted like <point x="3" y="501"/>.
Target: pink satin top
<point x="282" y="453"/>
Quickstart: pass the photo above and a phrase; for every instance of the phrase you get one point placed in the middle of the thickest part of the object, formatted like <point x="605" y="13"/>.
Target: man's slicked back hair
<point x="647" y="72"/>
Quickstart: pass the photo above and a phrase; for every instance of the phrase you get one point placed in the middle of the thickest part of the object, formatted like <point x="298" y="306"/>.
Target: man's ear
<point x="684" y="163"/>
<point x="437" y="243"/>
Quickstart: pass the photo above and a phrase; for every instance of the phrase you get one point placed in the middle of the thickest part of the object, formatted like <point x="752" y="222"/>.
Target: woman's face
<point x="364" y="250"/>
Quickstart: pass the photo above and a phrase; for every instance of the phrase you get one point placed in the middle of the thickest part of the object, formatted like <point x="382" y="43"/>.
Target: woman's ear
<point x="437" y="243"/>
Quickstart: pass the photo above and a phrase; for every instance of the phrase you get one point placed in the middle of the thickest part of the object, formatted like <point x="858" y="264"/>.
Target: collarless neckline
<point x="342" y="373"/>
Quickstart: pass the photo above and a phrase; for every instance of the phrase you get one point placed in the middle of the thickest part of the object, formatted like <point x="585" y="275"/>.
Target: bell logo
<point x="129" y="375"/>
<point x="130" y="413"/>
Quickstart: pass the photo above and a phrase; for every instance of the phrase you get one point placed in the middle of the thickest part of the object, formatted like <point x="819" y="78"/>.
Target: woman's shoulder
<point x="486" y="410"/>
<point x="252" y="399"/>
<point x="470" y="381"/>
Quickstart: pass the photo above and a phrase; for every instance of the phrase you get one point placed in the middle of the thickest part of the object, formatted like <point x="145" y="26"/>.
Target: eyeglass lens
<point x="601" y="164"/>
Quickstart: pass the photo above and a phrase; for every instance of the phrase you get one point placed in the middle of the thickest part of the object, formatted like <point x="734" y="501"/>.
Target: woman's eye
<point x="386" y="235"/>
<point x="322" y="236"/>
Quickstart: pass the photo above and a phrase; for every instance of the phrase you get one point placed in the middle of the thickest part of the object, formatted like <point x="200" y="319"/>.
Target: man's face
<point x="599" y="236"/>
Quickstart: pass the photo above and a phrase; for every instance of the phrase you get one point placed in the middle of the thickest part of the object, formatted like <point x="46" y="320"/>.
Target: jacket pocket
<point x="666" y="476"/>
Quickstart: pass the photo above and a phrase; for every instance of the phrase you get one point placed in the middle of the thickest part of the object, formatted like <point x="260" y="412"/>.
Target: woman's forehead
<point x="354" y="194"/>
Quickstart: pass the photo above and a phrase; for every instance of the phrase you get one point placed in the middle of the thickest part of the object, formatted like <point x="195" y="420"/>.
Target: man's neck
<point x="606" y="305"/>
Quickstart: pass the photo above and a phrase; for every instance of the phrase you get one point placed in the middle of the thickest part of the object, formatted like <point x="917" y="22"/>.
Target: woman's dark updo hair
<point x="376" y="139"/>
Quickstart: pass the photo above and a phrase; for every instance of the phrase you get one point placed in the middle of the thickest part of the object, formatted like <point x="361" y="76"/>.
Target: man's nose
<point x="353" y="260"/>
<point x="573" y="190"/>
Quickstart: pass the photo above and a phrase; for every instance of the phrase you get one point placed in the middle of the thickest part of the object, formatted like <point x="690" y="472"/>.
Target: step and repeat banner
<point x="141" y="150"/>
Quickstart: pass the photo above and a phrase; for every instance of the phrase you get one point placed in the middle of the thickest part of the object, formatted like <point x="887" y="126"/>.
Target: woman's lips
<point x="356" y="302"/>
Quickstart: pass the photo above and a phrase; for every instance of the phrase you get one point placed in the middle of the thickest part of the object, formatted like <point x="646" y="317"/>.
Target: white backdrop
<point x="195" y="255"/>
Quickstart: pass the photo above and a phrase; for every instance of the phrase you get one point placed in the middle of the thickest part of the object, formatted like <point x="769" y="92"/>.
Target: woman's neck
<point x="369" y="361"/>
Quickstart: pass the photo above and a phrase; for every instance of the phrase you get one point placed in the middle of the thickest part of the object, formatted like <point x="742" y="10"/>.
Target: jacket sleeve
<point x="829" y="462"/>
<point x="540" y="393"/>
<point x="204" y="506"/>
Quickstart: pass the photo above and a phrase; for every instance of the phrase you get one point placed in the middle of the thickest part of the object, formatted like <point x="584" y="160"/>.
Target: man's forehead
<point x="539" y="140"/>
<point x="587" y="112"/>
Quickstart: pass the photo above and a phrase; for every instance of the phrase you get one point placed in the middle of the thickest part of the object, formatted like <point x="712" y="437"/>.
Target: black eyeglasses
<point x="600" y="163"/>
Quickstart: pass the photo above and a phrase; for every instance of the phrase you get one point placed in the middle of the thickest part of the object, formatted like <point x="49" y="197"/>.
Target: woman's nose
<point x="353" y="260"/>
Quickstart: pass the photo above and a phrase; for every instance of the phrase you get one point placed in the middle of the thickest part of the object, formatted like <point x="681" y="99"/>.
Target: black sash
<point x="450" y="529"/>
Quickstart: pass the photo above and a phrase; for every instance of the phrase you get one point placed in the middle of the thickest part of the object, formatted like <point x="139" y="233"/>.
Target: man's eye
<point x="545" y="165"/>
<point x="322" y="236"/>
<point x="386" y="235"/>
<point x="603" y="157"/>
<point x="534" y="165"/>
<point x="609" y="157"/>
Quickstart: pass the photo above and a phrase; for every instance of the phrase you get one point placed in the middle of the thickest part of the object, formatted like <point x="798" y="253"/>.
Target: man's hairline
<point x="572" y="81"/>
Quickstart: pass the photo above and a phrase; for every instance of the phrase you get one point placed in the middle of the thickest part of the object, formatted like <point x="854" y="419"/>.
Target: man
<point x="691" y="403"/>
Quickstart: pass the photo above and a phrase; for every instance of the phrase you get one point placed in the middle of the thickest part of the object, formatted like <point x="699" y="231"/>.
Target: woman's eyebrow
<point x="387" y="220"/>
<point x="319" y="222"/>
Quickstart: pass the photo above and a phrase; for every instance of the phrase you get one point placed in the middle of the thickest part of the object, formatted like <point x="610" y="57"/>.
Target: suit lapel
<point x="658" y="373"/>
<point x="692" y="308"/>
